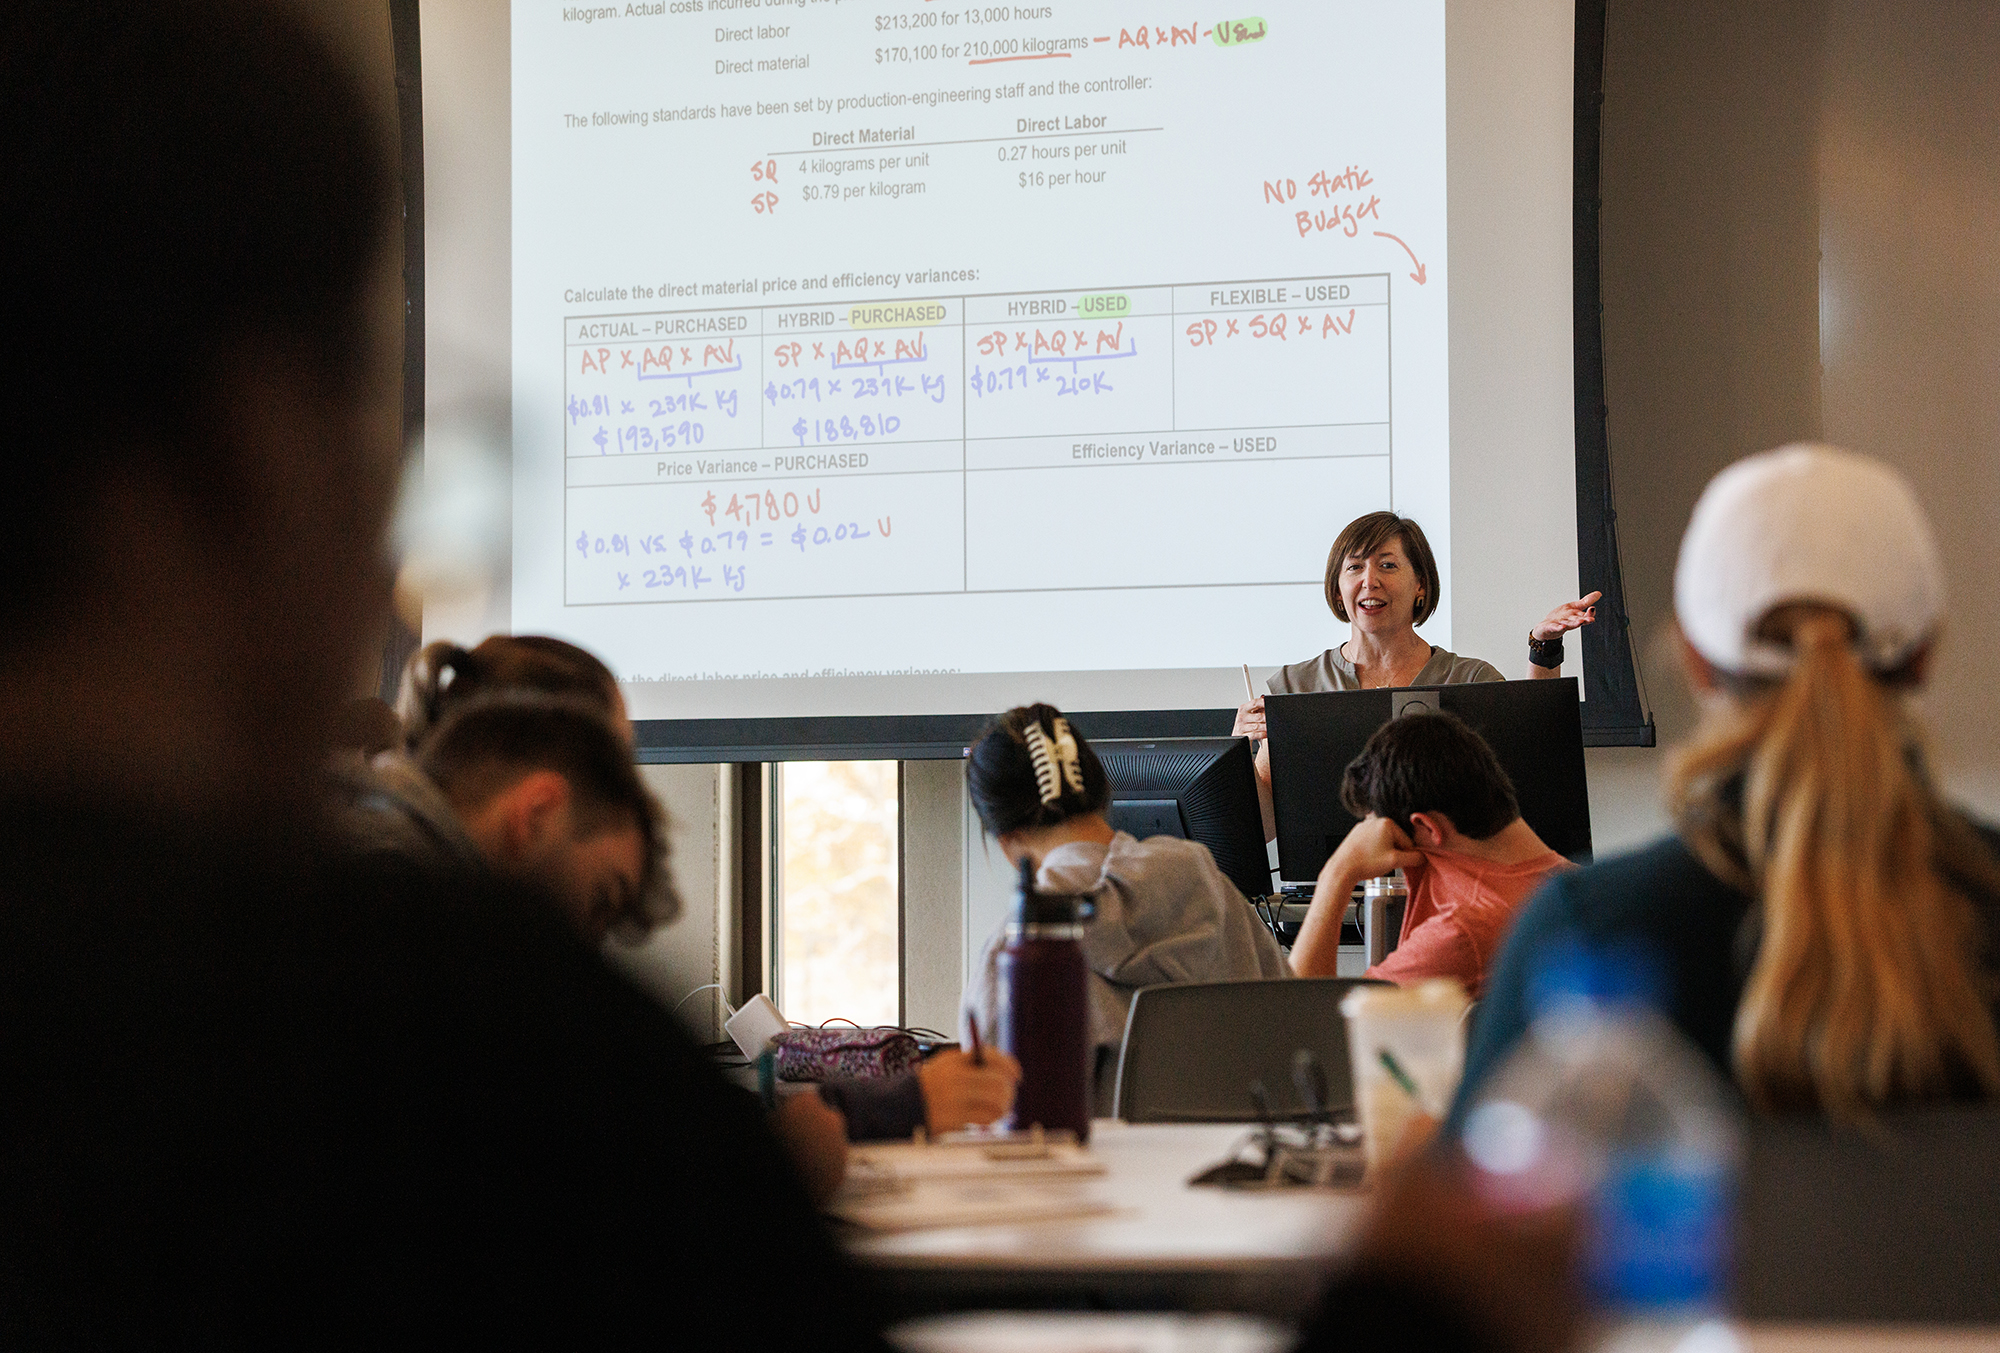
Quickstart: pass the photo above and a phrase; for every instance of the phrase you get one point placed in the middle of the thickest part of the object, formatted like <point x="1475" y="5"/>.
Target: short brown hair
<point x="1369" y="533"/>
<point x="488" y="744"/>
<point x="1431" y="762"/>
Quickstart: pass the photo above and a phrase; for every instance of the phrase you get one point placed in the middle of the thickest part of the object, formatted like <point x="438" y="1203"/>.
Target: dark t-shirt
<point x="1664" y="897"/>
<point x="255" y="1094"/>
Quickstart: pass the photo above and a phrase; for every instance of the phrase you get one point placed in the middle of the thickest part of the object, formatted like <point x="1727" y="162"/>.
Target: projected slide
<point x="854" y="338"/>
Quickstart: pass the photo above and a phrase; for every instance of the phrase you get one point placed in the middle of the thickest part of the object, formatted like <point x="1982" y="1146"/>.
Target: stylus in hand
<point x="1250" y="689"/>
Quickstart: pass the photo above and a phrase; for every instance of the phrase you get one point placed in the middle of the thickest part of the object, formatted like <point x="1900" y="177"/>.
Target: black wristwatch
<point x="1545" y="652"/>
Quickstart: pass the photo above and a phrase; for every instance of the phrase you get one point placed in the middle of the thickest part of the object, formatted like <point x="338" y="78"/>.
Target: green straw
<point x="1402" y="1077"/>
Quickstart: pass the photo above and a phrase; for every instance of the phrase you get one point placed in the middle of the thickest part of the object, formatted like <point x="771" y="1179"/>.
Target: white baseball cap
<point x="1807" y="523"/>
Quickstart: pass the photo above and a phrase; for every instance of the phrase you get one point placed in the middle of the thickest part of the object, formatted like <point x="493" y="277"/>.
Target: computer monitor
<point x="1198" y="789"/>
<point x="1534" y="727"/>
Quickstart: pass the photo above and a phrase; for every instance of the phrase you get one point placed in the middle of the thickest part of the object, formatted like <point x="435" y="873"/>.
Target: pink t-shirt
<point x="1460" y="908"/>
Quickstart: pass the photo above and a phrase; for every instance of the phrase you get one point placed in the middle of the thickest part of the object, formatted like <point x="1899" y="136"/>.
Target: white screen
<point x="884" y="358"/>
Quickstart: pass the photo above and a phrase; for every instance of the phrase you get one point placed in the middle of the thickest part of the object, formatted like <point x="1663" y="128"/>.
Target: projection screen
<point x="862" y="368"/>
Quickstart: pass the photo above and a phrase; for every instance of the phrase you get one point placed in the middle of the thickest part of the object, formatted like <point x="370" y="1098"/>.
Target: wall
<point x="1909" y="171"/>
<point x="1711" y="302"/>
<point x="693" y="951"/>
<point x="1800" y="201"/>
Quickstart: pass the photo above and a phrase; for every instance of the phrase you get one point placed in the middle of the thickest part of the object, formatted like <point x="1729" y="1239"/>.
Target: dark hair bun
<point x="1012" y="788"/>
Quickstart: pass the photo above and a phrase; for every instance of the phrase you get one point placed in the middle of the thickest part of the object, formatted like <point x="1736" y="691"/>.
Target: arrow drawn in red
<point x="1418" y="275"/>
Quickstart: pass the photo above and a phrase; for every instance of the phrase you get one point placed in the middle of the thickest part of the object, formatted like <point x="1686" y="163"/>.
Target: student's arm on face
<point x="1373" y="848"/>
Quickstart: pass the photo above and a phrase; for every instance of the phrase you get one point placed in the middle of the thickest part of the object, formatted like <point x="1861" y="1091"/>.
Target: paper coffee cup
<point x="1399" y="1040"/>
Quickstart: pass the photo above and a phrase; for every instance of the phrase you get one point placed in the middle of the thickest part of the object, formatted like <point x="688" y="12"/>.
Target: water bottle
<point x="1045" y="1009"/>
<point x="1383" y="902"/>
<point x="1607" y="1104"/>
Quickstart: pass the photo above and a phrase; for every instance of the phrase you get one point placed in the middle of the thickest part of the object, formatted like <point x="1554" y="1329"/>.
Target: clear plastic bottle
<point x="1607" y="1104"/>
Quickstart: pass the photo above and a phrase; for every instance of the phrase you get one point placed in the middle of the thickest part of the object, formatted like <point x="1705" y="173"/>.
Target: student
<point x="259" y="1093"/>
<point x="399" y="799"/>
<point x="441" y="676"/>
<point x="548" y="795"/>
<point x="1434" y="802"/>
<point x="1829" y="927"/>
<point x="542" y="791"/>
<point x="1164" y="912"/>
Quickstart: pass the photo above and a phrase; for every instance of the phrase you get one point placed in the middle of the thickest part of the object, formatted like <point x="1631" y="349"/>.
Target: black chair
<point x="1192" y="1051"/>
<point x="1900" y="1223"/>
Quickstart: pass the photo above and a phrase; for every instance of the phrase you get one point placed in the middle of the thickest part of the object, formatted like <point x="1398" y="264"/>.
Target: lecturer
<point x="1382" y="579"/>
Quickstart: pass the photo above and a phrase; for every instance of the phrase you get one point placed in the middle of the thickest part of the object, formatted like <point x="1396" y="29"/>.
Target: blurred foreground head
<point x="195" y="199"/>
<point x="1810" y="596"/>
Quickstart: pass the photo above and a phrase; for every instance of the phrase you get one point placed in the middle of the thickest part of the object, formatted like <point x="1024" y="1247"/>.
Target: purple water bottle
<point x="1045" y="1011"/>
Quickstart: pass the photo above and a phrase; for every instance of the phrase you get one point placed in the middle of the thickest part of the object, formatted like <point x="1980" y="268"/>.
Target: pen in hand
<point x="978" y="1048"/>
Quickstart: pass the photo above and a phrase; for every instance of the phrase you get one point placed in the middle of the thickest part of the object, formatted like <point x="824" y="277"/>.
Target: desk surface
<point x="1076" y="1332"/>
<point x="1207" y="1248"/>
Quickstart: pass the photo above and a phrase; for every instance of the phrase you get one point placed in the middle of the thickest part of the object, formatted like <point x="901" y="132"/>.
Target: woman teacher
<point x="1382" y="579"/>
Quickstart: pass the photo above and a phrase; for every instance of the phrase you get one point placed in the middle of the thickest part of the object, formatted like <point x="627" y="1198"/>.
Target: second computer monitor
<point x="1534" y="727"/>
<point x="1199" y="789"/>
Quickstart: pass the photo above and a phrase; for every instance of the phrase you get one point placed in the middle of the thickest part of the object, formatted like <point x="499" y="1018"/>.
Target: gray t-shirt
<point x="1331" y="672"/>
<point x="1165" y="913"/>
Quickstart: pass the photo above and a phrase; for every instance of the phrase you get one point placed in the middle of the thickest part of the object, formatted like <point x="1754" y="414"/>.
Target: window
<point x="838" y="922"/>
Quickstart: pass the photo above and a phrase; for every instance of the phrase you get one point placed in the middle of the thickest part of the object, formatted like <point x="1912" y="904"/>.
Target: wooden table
<point x="1074" y="1332"/>
<point x="1165" y="1245"/>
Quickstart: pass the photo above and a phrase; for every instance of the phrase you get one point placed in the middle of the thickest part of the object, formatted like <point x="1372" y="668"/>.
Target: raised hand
<point x="1566" y="617"/>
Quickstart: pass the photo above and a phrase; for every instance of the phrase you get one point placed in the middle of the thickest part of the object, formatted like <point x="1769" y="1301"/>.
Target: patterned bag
<point x="835" y="1054"/>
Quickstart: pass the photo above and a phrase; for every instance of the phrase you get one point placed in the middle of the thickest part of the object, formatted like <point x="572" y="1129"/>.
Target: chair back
<point x="1900" y="1222"/>
<point x="1192" y="1050"/>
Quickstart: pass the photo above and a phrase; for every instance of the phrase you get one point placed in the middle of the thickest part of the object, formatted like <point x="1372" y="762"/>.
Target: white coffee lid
<point x="1807" y="523"/>
<point x="1432" y="996"/>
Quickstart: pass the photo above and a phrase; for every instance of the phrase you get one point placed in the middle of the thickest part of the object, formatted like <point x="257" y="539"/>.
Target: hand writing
<point x="959" y="1093"/>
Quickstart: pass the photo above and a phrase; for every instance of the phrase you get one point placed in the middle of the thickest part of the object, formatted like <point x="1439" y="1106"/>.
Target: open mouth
<point x="1372" y="605"/>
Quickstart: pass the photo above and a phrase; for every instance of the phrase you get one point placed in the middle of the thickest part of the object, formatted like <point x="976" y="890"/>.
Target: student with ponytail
<point x="441" y="676"/>
<point x="1830" y="929"/>
<point x="1163" y="911"/>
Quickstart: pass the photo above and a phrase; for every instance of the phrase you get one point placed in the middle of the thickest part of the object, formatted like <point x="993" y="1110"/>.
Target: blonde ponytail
<point x="1866" y="990"/>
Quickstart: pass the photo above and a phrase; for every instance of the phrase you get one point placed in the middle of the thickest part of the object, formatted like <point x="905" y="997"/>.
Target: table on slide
<point x="912" y="445"/>
<point x="1165" y="1244"/>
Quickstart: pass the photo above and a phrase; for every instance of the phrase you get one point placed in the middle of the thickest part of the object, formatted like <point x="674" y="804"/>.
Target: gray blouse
<point x="1331" y="672"/>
